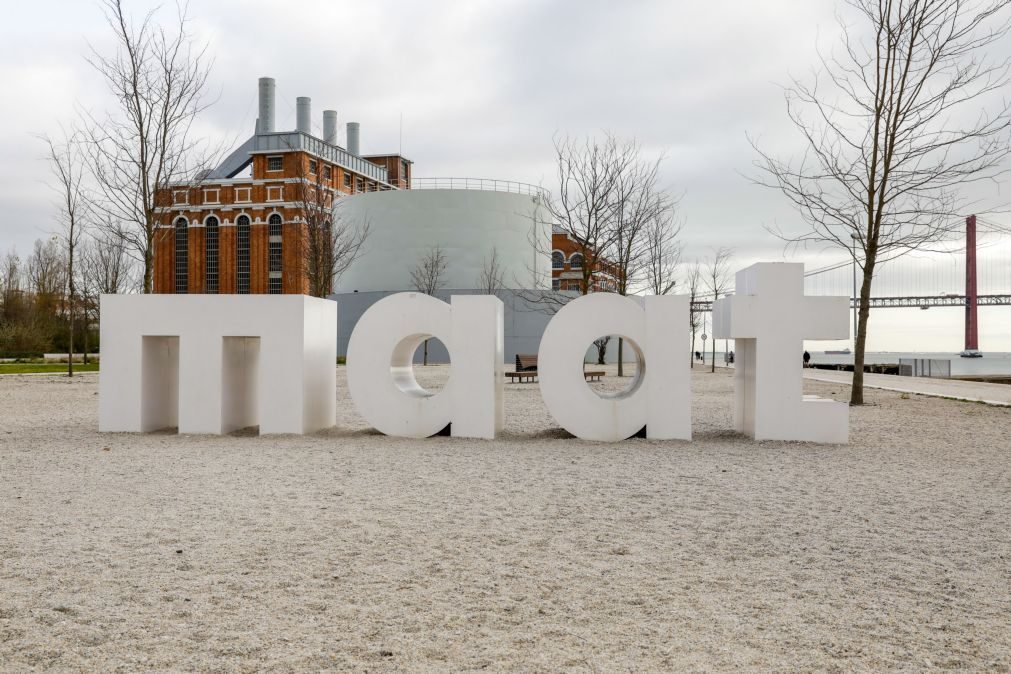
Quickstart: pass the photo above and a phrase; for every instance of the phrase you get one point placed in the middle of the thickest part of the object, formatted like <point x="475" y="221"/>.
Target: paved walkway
<point x="992" y="394"/>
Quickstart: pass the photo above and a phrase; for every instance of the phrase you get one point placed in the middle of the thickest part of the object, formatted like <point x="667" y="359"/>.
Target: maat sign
<point x="217" y="363"/>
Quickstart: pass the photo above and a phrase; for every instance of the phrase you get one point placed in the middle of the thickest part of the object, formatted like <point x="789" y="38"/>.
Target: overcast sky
<point x="482" y="87"/>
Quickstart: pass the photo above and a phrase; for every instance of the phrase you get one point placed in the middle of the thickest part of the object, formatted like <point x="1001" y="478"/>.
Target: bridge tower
<point x="971" y="325"/>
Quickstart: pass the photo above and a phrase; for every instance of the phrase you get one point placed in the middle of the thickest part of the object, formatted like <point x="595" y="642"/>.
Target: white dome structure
<point x="467" y="219"/>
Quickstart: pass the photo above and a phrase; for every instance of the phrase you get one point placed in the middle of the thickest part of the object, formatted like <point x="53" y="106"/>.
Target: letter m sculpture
<point x="218" y="363"/>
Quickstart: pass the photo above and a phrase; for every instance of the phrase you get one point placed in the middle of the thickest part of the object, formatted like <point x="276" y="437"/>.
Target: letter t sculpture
<point x="769" y="318"/>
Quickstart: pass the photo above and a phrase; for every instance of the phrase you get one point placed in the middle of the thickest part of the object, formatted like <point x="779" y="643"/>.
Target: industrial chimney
<point x="330" y="126"/>
<point x="303" y="114"/>
<point x="353" y="133"/>
<point x="265" y="121"/>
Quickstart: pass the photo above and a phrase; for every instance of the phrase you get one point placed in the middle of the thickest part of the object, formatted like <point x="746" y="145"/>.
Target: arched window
<point x="557" y="260"/>
<point x="211" y="255"/>
<point x="576" y="261"/>
<point x="182" y="256"/>
<point x="274" y="254"/>
<point x="242" y="255"/>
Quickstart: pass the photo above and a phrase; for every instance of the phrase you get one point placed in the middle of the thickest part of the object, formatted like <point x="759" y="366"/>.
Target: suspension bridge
<point x="974" y="272"/>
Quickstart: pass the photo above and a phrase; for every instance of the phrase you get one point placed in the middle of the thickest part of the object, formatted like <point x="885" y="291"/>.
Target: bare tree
<point x="896" y="126"/>
<point x="639" y="205"/>
<point x="601" y="345"/>
<point x="427" y="277"/>
<point x="332" y="240"/>
<point x="589" y="176"/>
<point x="662" y="256"/>
<point x="584" y="208"/>
<point x="718" y="281"/>
<point x="105" y="268"/>
<point x="67" y="166"/>
<point x="694" y="283"/>
<point x="490" y="279"/>
<point x="157" y="75"/>
<point x="46" y="272"/>
<point x="12" y="285"/>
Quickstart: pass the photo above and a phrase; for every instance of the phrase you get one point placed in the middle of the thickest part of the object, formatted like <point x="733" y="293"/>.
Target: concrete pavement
<point x="992" y="394"/>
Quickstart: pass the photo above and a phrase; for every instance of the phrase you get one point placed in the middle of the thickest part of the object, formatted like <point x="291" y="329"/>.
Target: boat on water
<point x="838" y="352"/>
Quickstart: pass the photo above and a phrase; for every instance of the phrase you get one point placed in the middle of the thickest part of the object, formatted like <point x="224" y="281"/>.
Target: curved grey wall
<point x="466" y="224"/>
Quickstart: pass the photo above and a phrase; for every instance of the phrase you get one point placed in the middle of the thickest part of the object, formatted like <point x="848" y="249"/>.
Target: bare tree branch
<point x="66" y="164"/>
<point x="158" y="77"/>
<point x="897" y="125"/>
<point x="427" y="277"/>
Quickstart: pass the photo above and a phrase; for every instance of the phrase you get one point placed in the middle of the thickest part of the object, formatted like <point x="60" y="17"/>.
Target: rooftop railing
<point x="488" y="184"/>
<point x="296" y="140"/>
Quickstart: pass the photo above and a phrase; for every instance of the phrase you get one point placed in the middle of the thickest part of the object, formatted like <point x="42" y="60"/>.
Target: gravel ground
<point x="348" y="550"/>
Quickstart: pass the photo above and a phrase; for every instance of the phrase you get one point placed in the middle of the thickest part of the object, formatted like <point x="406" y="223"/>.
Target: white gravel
<point x="346" y="550"/>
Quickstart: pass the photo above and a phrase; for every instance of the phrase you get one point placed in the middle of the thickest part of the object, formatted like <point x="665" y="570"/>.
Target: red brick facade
<point x="267" y="191"/>
<point x="567" y="269"/>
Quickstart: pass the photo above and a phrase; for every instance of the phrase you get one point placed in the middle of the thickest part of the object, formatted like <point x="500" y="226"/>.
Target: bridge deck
<point x="912" y="301"/>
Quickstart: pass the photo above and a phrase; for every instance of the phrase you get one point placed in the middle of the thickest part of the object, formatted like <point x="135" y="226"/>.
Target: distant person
<point x="698" y="355"/>
<point x="807" y="359"/>
<point x="731" y="357"/>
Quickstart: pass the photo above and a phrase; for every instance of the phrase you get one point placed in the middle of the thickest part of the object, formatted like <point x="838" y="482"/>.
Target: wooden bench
<point x="514" y="376"/>
<point x="526" y="369"/>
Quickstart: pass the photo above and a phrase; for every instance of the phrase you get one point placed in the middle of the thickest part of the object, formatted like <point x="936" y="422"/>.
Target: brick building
<point x="567" y="261"/>
<point x="241" y="227"/>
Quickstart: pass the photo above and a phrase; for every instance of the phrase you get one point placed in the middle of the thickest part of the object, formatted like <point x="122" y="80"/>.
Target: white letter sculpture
<point x="769" y="317"/>
<point x="217" y="363"/>
<point x="380" y="370"/>
<point x="659" y="398"/>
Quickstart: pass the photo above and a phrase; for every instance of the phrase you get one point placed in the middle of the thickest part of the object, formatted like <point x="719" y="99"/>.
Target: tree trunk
<point x="70" y="337"/>
<point x="424" y="358"/>
<point x="714" y="353"/>
<point x="692" y="354"/>
<point x="84" y="335"/>
<point x="621" y="348"/>
<point x="857" y="392"/>
<point x="149" y="266"/>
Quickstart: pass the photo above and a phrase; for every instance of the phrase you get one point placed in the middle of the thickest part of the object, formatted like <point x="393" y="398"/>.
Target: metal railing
<point x="489" y="184"/>
<point x="297" y="140"/>
<point x="925" y="367"/>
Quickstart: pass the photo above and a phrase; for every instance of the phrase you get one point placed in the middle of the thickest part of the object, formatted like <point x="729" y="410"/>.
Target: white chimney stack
<point x="353" y="137"/>
<point x="265" y="121"/>
<point x="303" y="114"/>
<point x="330" y="126"/>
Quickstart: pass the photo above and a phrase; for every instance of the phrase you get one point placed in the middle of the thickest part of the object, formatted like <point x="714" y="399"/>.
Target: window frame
<point x="279" y="158"/>
<point x="212" y="255"/>
<point x="181" y="256"/>
<point x="243" y="236"/>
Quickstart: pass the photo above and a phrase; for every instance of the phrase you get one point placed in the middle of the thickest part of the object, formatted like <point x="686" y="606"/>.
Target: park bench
<point x="526" y="369"/>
